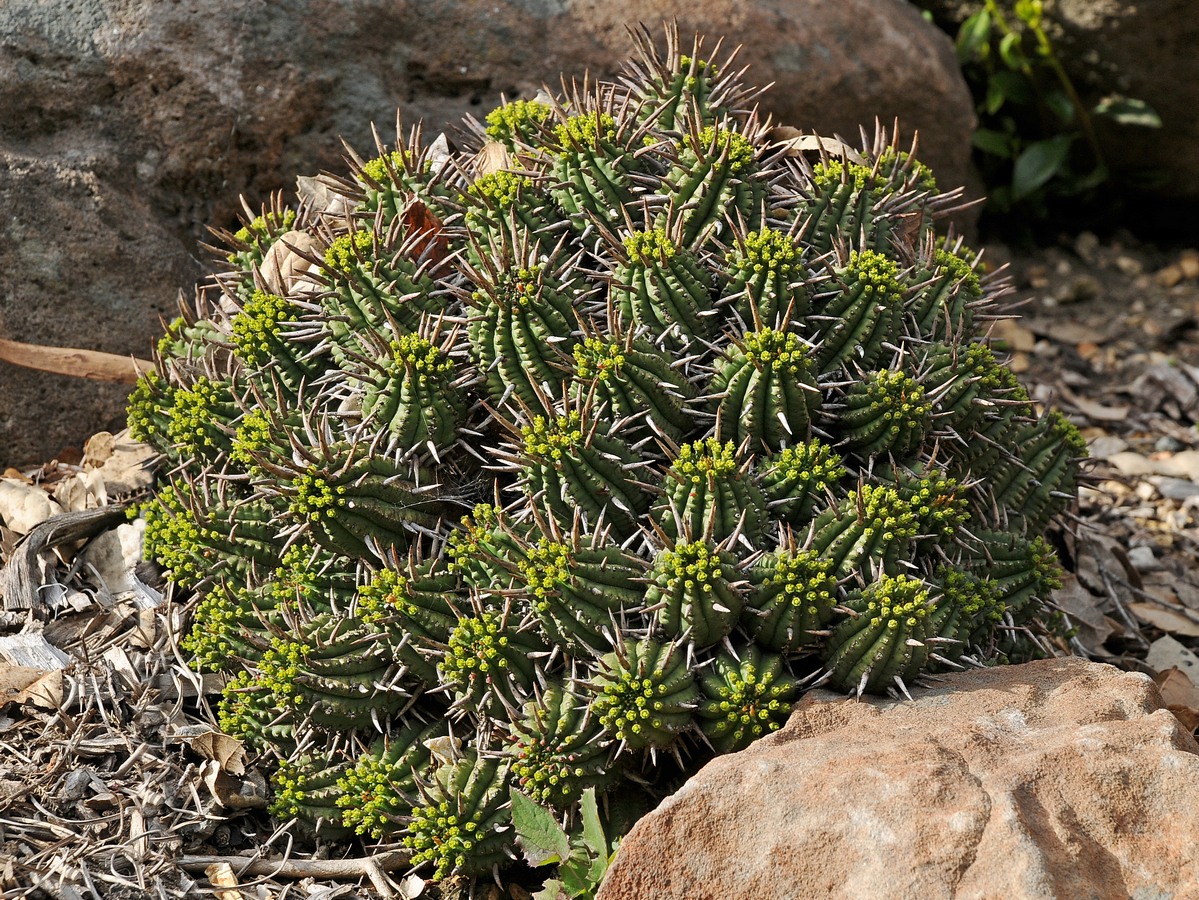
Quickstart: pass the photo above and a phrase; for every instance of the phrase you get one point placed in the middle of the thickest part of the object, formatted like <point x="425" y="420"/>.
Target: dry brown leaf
<point x="1083" y="608"/>
<point x="1167" y="653"/>
<point x="1165" y="619"/>
<point x="428" y="234"/>
<point x="128" y="467"/>
<point x="246" y="792"/>
<point x="1015" y="335"/>
<point x="798" y="142"/>
<point x="77" y="363"/>
<point x="45" y="693"/>
<point x="14" y="679"/>
<point x="227" y="752"/>
<point x="1180" y="695"/>
<point x="1093" y="410"/>
<point x="83" y="490"/>
<point x="492" y="158"/>
<point x="285" y="268"/>
<point x="25" y="506"/>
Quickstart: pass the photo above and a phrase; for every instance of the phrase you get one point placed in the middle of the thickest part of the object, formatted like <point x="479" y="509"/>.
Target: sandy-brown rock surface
<point x="1056" y="779"/>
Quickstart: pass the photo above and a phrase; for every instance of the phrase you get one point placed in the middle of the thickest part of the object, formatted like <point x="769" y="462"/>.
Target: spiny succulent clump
<point x="571" y="458"/>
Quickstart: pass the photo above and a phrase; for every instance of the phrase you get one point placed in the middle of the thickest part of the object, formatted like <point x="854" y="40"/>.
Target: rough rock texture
<point x="127" y="125"/>
<point x="1055" y="779"/>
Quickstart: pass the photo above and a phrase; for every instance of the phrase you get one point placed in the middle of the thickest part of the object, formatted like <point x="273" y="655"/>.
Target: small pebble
<point x="75" y="785"/>
<point x="1167" y="444"/>
<point x="1143" y="560"/>
<point x="1177" y="488"/>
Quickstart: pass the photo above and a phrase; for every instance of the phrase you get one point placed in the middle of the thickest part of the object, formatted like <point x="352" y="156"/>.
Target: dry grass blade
<point x="93" y="364"/>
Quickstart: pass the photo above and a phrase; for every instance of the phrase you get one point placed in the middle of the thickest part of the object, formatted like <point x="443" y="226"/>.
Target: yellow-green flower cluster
<point x="346" y="252"/>
<point x="545" y="568"/>
<point x="502" y="189"/>
<point x="191" y="425"/>
<point x="148" y="410"/>
<point x="898" y="398"/>
<point x="779" y="351"/>
<point x="960" y="269"/>
<point x="812" y="464"/>
<point x="882" y="511"/>
<point x="419" y="355"/>
<point x="465" y="544"/>
<point x="734" y="146"/>
<point x="938" y="502"/>
<point x="287" y="791"/>
<point x="896" y="600"/>
<point x="833" y="172"/>
<point x="441" y="834"/>
<point x="694" y="566"/>
<point x="279" y="668"/>
<point x="256" y="327"/>
<point x="252" y="436"/>
<point x="517" y="121"/>
<point x="705" y="460"/>
<point x="649" y="247"/>
<point x="767" y="250"/>
<point x="877" y="274"/>
<point x="383" y="596"/>
<point x="748" y="703"/>
<point x="376" y="169"/>
<point x="476" y="650"/>
<point x="596" y="358"/>
<point x="586" y="130"/>
<point x="315" y="496"/>
<point x="551" y="440"/>
<point x="805" y="580"/>
<point x="979" y="599"/>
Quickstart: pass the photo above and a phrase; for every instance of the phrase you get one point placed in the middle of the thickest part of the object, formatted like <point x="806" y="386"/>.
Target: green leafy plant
<point x="582" y="857"/>
<point x="1036" y="138"/>
<point x="545" y="483"/>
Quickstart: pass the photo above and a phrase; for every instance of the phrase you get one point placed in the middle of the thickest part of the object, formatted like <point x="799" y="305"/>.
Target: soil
<point x="104" y="784"/>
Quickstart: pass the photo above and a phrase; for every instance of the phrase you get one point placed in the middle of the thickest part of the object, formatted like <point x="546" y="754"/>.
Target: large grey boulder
<point x="1055" y="779"/>
<point x="128" y="125"/>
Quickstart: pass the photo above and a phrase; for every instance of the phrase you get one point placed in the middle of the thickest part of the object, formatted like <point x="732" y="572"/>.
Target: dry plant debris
<point x="115" y="781"/>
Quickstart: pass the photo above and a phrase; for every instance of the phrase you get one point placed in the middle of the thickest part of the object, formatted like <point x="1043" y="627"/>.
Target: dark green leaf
<point x="1016" y="87"/>
<point x="1038" y="163"/>
<point x="994" y="142"/>
<point x="1061" y="105"/>
<point x="974" y="35"/>
<point x="538" y="832"/>
<point x="1128" y="111"/>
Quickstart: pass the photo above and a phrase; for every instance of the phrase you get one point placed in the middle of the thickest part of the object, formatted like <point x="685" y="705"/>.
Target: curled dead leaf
<point x="797" y="143"/>
<point x="1172" y="621"/>
<point x="492" y="158"/>
<point x="227" y="752"/>
<point x="286" y="266"/>
<point x="247" y="791"/>
<point x="1180" y="695"/>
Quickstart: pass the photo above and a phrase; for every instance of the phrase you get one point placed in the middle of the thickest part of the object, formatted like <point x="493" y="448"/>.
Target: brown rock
<point x="127" y="127"/>
<point x="1055" y="779"/>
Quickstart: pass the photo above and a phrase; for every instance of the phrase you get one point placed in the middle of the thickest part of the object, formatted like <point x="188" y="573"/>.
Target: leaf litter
<point x="115" y="780"/>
